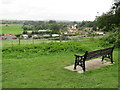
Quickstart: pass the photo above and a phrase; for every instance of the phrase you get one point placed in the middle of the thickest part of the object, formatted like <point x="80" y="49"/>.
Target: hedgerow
<point x="49" y="48"/>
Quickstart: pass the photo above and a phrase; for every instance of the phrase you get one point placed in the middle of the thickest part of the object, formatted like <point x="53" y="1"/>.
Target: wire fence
<point x="20" y="42"/>
<point x="12" y="43"/>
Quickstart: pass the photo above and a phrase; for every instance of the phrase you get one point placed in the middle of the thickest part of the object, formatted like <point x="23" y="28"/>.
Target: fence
<point x="17" y="42"/>
<point x="12" y="43"/>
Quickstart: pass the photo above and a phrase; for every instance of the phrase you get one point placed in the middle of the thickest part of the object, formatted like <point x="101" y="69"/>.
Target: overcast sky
<point x="72" y="10"/>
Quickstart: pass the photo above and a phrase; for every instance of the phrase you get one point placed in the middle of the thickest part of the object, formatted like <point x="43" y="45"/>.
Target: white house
<point x="99" y="33"/>
<point x="55" y="35"/>
<point x="46" y="35"/>
<point x="25" y="36"/>
<point x="35" y="36"/>
<point x="29" y="32"/>
<point x="42" y="30"/>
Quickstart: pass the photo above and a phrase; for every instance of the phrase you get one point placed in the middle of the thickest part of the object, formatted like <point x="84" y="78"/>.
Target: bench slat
<point x="98" y="53"/>
<point x="80" y="60"/>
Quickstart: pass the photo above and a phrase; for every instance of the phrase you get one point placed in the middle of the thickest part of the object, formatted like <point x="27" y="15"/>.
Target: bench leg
<point x="111" y="58"/>
<point x="83" y="66"/>
<point x="75" y="64"/>
<point x="103" y="58"/>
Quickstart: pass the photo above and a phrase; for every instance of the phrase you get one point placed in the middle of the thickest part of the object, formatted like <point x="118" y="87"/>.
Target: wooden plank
<point x="106" y="51"/>
<point x="98" y="53"/>
<point x="93" y="54"/>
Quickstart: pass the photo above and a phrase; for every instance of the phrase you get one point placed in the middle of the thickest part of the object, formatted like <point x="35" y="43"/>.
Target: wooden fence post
<point x="19" y="40"/>
<point x="33" y="40"/>
<point x="12" y="43"/>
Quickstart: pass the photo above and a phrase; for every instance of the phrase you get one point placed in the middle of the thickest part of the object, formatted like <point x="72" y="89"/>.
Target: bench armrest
<point x="78" y="55"/>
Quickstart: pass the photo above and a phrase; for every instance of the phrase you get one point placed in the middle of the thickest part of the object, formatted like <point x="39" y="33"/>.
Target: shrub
<point x="47" y="48"/>
<point x="113" y="38"/>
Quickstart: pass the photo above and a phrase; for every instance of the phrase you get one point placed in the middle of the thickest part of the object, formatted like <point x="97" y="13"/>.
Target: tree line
<point x="55" y="26"/>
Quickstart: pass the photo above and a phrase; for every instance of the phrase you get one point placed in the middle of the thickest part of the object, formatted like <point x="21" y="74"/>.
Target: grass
<point x="48" y="72"/>
<point x="12" y="29"/>
<point x="34" y="70"/>
<point x="12" y="43"/>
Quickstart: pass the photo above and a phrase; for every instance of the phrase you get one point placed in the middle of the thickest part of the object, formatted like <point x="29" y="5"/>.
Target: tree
<point x="52" y="21"/>
<point x="116" y="9"/>
<point x="27" y="27"/>
<point x="61" y="32"/>
<point x="55" y="28"/>
<point x="110" y="20"/>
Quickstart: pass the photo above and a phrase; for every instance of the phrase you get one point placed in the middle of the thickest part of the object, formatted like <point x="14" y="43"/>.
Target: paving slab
<point x="91" y="64"/>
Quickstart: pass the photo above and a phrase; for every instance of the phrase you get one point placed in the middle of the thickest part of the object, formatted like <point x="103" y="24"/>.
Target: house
<point x="3" y="38"/>
<point x="46" y="35"/>
<point x="34" y="36"/>
<point x="8" y="37"/>
<point x="65" y="33"/>
<point x="99" y="33"/>
<point x="69" y="27"/>
<point x="55" y="35"/>
<point x="44" y="31"/>
<point x="82" y="32"/>
<point x="25" y="36"/>
<point x="29" y="32"/>
<point x="88" y="28"/>
<point x="73" y="30"/>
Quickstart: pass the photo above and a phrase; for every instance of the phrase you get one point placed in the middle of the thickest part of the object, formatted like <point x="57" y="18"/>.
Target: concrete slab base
<point x="91" y="64"/>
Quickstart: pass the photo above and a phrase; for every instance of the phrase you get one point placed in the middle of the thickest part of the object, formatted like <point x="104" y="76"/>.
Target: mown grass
<point x="12" y="29"/>
<point x="32" y="69"/>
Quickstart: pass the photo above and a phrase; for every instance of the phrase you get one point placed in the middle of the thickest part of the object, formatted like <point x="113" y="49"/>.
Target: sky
<point x="70" y="10"/>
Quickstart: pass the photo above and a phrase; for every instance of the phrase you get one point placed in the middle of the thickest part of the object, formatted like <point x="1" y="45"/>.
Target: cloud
<point x="7" y="1"/>
<point x="53" y="9"/>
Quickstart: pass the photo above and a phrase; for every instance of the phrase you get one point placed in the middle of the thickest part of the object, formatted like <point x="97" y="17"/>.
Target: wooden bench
<point x="105" y="53"/>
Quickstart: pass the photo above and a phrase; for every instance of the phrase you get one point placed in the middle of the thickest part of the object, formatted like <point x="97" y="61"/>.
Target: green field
<point x="42" y="66"/>
<point x="12" y="43"/>
<point x="12" y="29"/>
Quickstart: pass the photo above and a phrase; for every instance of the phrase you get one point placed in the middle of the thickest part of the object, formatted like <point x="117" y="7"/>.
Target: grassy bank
<point x="42" y="66"/>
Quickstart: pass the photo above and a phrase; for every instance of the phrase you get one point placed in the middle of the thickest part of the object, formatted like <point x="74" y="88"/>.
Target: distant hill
<point x="12" y="21"/>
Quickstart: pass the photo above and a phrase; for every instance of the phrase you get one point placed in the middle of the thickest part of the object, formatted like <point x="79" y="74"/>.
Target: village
<point x="72" y="32"/>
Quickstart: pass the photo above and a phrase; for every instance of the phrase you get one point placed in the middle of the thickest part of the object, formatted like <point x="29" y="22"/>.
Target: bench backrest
<point x="98" y="53"/>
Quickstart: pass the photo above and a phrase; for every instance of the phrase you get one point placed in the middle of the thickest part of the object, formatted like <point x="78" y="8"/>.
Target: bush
<point x="113" y="38"/>
<point x="48" y="48"/>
